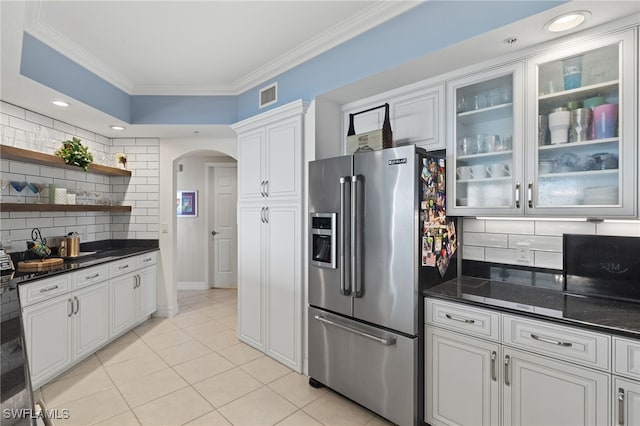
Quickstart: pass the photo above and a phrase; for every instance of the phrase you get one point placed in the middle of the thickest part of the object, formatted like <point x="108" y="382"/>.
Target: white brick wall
<point x="140" y="191"/>
<point x="497" y="240"/>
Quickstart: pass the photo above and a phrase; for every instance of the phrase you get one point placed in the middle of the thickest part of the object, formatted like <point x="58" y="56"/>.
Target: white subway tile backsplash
<point x="64" y="221"/>
<point x="630" y="229"/>
<point x="52" y="172"/>
<point x="13" y="110"/>
<point x="485" y="239"/>
<point x="24" y="125"/>
<point x="473" y="225"/>
<point x="85" y="135"/>
<point x="152" y="173"/>
<point x="39" y="119"/>
<point x="548" y="260"/>
<point x="40" y="222"/>
<point x="472" y="253"/>
<point x="542" y="243"/>
<point x="500" y="255"/>
<point x="64" y="127"/>
<point x="563" y="227"/>
<point x="135" y="149"/>
<point x="510" y="226"/>
<point x="24" y="168"/>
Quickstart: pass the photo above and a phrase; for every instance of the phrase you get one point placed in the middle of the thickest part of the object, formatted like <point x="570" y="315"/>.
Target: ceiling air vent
<point x="268" y="95"/>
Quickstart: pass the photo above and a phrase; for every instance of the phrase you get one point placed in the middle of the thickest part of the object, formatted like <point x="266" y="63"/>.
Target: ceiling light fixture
<point x="568" y="21"/>
<point x="60" y="103"/>
<point x="117" y="127"/>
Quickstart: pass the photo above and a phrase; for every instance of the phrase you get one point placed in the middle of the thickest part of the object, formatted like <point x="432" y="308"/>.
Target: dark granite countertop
<point x="15" y="392"/>
<point x="605" y="315"/>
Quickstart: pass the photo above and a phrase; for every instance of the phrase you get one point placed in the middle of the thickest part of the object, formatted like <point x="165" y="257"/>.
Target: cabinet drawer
<point x="42" y="290"/>
<point x="475" y="321"/>
<point x="122" y="266"/>
<point x="147" y="259"/>
<point x="89" y="276"/>
<point x="568" y="343"/>
<point x="626" y="357"/>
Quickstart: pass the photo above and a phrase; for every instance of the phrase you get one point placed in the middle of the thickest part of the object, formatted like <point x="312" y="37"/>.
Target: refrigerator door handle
<point x="387" y="341"/>
<point x="345" y="285"/>
<point x="356" y="238"/>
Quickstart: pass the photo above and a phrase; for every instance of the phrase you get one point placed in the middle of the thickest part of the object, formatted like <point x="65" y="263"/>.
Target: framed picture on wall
<point x="187" y="203"/>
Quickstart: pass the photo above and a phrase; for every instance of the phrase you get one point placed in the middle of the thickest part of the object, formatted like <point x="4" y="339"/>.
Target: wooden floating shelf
<point x="35" y="157"/>
<point x="31" y="207"/>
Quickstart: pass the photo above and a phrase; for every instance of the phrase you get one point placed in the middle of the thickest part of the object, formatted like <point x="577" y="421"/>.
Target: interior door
<point x="223" y="238"/>
<point x="387" y="227"/>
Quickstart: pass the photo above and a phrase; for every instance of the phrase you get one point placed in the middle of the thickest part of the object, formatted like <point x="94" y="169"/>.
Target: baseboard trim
<point x="192" y="285"/>
<point x="166" y="311"/>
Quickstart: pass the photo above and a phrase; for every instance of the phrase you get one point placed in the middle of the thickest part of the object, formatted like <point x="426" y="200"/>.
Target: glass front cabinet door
<point x="581" y="148"/>
<point x="485" y="142"/>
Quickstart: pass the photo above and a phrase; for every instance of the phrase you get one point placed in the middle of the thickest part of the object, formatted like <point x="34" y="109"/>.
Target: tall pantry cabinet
<point x="270" y="179"/>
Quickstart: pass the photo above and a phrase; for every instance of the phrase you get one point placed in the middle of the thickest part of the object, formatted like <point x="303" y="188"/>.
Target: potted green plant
<point x="73" y="152"/>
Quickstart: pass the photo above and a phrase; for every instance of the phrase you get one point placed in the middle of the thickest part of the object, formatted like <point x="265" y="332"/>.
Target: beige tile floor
<point x="192" y="370"/>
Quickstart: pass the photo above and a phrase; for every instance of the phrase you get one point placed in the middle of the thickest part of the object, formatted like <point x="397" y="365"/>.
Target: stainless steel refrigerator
<point x="378" y="236"/>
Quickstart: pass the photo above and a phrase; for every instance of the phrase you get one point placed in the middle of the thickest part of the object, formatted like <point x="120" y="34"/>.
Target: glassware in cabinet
<point x="581" y="160"/>
<point x="481" y="139"/>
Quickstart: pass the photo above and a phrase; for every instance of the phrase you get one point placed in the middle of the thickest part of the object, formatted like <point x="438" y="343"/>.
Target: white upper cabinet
<point x="557" y="139"/>
<point x="416" y="115"/>
<point x="582" y="160"/>
<point x="485" y="143"/>
<point x="270" y="155"/>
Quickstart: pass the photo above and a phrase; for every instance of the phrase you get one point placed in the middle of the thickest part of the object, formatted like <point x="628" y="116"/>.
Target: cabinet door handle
<point x="464" y="320"/>
<point x="530" y="194"/>
<point x="69" y="307"/>
<point x="266" y="215"/>
<point x="262" y="188"/>
<point x="123" y="266"/>
<point x="266" y="188"/>
<point x="90" y="277"/>
<point x="494" y="355"/>
<point x="517" y="195"/>
<point x="44" y="290"/>
<point x="507" y="360"/>
<point x="620" y="406"/>
<point x="262" y="215"/>
<point x="148" y="259"/>
<point x="77" y="305"/>
<point x="552" y="341"/>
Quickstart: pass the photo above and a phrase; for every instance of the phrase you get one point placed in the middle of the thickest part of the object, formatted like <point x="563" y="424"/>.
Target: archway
<point x="171" y="150"/>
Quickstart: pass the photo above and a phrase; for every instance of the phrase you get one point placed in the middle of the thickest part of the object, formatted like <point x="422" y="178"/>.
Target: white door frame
<point x="208" y="169"/>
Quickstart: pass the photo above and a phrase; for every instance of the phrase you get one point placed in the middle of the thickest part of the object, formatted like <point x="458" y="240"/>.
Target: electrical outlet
<point x="523" y="253"/>
<point x="164" y="228"/>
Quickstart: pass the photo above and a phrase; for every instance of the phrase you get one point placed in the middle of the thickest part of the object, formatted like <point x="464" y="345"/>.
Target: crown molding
<point x="297" y="107"/>
<point x="371" y="17"/>
<point x="35" y="26"/>
<point x="334" y="36"/>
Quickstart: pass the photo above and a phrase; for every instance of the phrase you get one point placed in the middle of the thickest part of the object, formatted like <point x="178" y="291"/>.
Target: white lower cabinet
<point x="63" y="330"/>
<point x="270" y="280"/>
<point x="132" y="299"/>
<point x="123" y="303"/>
<point x="70" y="316"/>
<point x="463" y="379"/>
<point x="541" y="391"/>
<point x="626" y="402"/>
<point x="90" y="324"/>
<point x="483" y="367"/>
<point x="47" y="329"/>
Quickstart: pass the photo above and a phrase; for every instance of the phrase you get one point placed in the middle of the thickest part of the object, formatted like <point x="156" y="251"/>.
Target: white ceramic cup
<point x="479" y="171"/>
<point x="498" y="170"/>
<point x="559" y="122"/>
<point x="464" y="173"/>
<point x="60" y="196"/>
<point x="71" y="198"/>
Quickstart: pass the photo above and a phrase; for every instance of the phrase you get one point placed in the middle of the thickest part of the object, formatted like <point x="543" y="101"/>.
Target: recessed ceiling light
<point x="117" y="127"/>
<point x="60" y="103"/>
<point x="567" y="21"/>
